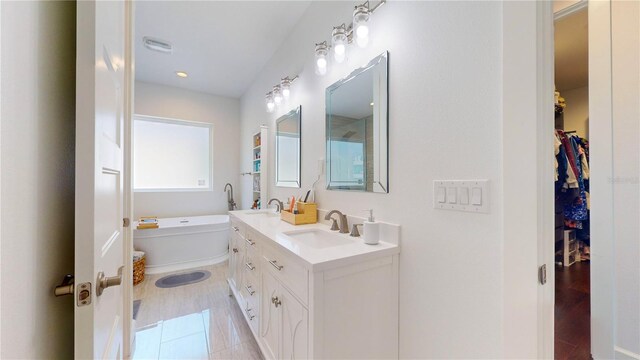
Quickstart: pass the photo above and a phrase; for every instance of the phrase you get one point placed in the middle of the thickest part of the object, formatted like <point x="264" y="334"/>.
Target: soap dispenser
<point x="371" y="230"/>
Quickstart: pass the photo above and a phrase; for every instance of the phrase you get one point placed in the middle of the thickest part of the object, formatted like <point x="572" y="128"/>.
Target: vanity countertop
<point x="316" y="258"/>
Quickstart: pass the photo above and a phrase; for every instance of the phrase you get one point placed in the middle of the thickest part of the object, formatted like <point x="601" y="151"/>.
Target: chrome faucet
<point x="230" y="201"/>
<point x="344" y="224"/>
<point x="279" y="204"/>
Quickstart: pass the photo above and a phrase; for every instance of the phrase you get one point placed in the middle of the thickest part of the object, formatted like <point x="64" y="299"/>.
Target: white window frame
<point x="165" y="120"/>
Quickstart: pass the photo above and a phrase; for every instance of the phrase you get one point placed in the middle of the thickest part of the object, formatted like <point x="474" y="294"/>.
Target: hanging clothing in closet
<point x="572" y="181"/>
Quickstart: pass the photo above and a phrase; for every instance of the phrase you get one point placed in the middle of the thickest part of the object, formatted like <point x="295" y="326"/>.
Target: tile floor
<point x="196" y="321"/>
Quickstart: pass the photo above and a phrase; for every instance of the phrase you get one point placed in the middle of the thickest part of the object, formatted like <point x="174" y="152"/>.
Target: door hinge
<point x="542" y="274"/>
<point x="126" y="222"/>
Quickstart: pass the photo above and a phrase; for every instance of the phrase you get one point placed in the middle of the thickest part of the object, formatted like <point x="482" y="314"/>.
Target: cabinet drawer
<point x="251" y="309"/>
<point x="252" y="263"/>
<point x="237" y="226"/>
<point x="250" y="286"/>
<point x="291" y="274"/>
<point x="252" y="239"/>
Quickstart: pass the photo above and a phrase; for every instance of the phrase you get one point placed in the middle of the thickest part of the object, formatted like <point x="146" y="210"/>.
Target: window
<point x="171" y="155"/>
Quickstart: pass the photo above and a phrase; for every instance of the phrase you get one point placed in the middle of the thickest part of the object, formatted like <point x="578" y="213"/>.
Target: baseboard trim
<point x="159" y="269"/>
<point x="625" y="354"/>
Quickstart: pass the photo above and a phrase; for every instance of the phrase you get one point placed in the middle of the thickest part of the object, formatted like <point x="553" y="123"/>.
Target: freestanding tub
<point x="183" y="243"/>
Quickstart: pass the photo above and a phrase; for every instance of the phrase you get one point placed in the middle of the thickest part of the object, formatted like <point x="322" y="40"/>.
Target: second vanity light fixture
<point x="343" y="35"/>
<point x="279" y="93"/>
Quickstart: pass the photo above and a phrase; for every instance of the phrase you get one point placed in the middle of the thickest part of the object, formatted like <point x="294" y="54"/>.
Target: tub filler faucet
<point x="228" y="188"/>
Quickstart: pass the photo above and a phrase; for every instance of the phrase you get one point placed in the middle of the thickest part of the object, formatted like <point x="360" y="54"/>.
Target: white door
<point x="99" y="179"/>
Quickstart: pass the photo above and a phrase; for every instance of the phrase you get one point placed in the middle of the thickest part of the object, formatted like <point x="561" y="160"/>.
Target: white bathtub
<point x="183" y="243"/>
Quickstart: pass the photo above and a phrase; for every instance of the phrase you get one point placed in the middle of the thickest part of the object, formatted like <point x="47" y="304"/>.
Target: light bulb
<point x="321" y="58"/>
<point x="277" y="95"/>
<point x="285" y="85"/>
<point x="360" y="20"/>
<point x="339" y="42"/>
<point x="270" y="104"/>
<point x="339" y="53"/>
<point x="321" y="66"/>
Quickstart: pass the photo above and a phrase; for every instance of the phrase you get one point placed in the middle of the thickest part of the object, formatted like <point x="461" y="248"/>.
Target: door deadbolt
<point x="104" y="282"/>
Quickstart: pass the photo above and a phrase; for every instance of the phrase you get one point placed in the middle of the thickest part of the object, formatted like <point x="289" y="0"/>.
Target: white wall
<point x="445" y="123"/>
<point x="38" y="137"/>
<point x="576" y="114"/>
<point x="224" y="114"/>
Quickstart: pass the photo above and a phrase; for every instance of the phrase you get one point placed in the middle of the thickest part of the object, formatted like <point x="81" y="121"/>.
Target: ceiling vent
<point x="157" y="45"/>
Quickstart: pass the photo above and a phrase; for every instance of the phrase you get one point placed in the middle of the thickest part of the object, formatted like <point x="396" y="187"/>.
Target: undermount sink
<point x="319" y="239"/>
<point x="264" y="213"/>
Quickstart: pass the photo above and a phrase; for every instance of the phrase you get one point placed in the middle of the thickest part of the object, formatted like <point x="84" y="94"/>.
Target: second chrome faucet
<point x="344" y="225"/>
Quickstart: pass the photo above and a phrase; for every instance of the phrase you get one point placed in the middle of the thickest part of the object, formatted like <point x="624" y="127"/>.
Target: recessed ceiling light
<point x="371" y="104"/>
<point x="182" y="74"/>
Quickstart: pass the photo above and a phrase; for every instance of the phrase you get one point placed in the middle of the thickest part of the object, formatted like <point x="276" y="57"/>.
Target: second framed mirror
<point x="288" y="149"/>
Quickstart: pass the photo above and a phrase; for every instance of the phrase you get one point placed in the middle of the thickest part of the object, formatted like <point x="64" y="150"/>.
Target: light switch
<point x="461" y="195"/>
<point x="476" y="196"/>
<point x="442" y="194"/>
<point x="464" y="196"/>
<point x="451" y="195"/>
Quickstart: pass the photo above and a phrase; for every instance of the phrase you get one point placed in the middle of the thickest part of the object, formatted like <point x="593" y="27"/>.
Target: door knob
<point x="104" y="282"/>
<point x="65" y="287"/>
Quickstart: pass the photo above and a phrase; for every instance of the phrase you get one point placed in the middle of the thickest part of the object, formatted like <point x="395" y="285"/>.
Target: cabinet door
<point x="295" y="328"/>
<point x="238" y="266"/>
<point x="233" y="251"/>
<point x="237" y="257"/>
<point x="270" y="324"/>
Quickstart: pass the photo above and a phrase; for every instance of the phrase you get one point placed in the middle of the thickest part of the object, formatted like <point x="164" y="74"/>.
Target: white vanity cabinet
<point x="304" y="302"/>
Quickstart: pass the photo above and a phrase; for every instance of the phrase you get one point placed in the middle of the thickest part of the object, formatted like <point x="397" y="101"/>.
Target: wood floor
<point x="573" y="312"/>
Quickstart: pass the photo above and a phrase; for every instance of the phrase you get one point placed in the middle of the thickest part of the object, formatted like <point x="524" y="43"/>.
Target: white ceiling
<point x="572" y="51"/>
<point x="222" y="45"/>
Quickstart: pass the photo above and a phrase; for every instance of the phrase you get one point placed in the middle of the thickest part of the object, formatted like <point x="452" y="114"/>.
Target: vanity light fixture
<point x="343" y="35"/>
<point x="339" y="42"/>
<point x="271" y="105"/>
<point x="277" y="94"/>
<point x="321" y="58"/>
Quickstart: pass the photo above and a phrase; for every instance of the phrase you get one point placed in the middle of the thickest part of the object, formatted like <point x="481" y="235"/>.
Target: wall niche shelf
<point x="258" y="170"/>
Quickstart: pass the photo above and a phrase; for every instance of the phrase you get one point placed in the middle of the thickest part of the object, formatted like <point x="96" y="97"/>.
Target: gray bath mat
<point x="136" y="308"/>
<point x="182" y="279"/>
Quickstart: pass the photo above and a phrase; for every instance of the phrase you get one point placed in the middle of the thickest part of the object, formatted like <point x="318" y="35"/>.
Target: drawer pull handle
<point x="250" y="266"/>
<point x="250" y="242"/>
<point x="275" y="265"/>
<point x="275" y="301"/>
<point x="236" y="229"/>
<point x="235" y="250"/>
<point x="249" y="313"/>
<point x="250" y="289"/>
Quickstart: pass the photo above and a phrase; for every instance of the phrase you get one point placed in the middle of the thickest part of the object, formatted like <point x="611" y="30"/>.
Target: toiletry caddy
<point x="307" y="214"/>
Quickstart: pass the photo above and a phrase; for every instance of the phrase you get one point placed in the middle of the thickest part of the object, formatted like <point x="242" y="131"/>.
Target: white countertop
<point x="353" y="250"/>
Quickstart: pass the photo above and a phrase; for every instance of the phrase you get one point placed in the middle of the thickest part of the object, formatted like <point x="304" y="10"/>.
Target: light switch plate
<point x="461" y="195"/>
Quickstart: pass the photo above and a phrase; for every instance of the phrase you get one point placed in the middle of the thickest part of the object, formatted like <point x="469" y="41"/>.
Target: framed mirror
<point x="357" y="118"/>
<point x="288" y="149"/>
